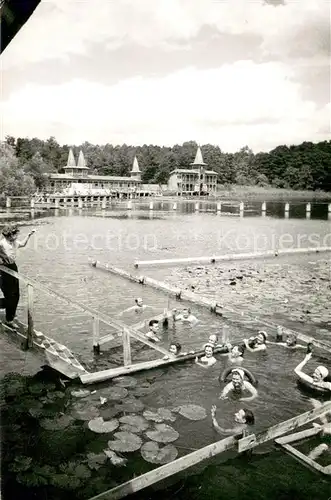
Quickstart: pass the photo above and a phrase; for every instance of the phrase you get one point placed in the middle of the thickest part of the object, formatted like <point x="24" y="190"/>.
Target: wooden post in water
<point x="126" y="347"/>
<point x="32" y="203"/>
<point x="80" y="203"/>
<point x="151" y="205"/>
<point x="197" y="206"/>
<point x="104" y="202"/>
<point x="96" y="335"/>
<point x="308" y="210"/>
<point x="29" y="337"/>
<point x="264" y="208"/>
<point x="57" y="202"/>
<point x="174" y="206"/>
<point x="129" y="207"/>
<point x="8" y="202"/>
<point x="219" y="207"/>
<point x="241" y="208"/>
<point x="287" y="210"/>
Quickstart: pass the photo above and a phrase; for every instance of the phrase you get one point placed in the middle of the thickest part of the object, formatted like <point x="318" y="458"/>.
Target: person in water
<point x="138" y="307"/>
<point x="290" y="342"/>
<point x="243" y="418"/>
<point x="185" y="316"/>
<point x="208" y="359"/>
<point x="256" y="343"/>
<point x="236" y="354"/>
<point x="153" y="331"/>
<point x="175" y="350"/>
<point x="319" y="376"/>
<point x="213" y="340"/>
<point x="238" y="385"/>
<point x="9" y="244"/>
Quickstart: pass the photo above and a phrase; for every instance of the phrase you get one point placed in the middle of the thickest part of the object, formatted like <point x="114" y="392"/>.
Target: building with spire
<point x="76" y="179"/>
<point x="195" y="180"/>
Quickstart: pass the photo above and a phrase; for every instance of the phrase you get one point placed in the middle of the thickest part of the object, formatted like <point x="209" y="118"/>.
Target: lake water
<point x="280" y="291"/>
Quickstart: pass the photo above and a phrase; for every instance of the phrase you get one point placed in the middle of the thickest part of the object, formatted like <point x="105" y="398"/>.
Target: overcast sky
<point x="225" y="72"/>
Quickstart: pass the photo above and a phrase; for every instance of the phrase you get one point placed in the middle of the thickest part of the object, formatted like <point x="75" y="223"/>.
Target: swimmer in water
<point x="318" y="377"/>
<point x="325" y="427"/>
<point x="152" y="334"/>
<point x="290" y="342"/>
<point x="213" y="340"/>
<point x="236" y="354"/>
<point x="185" y="316"/>
<point x="138" y="307"/>
<point x="243" y="418"/>
<point x="208" y="359"/>
<point x="238" y="384"/>
<point x="175" y="350"/>
<point x="257" y="343"/>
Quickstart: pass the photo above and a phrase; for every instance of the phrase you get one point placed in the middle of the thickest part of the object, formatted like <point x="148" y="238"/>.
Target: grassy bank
<point x="257" y="193"/>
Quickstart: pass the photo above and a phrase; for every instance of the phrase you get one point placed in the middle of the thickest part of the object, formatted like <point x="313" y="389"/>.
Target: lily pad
<point x="101" y="426"/>
<point x="95" y="460"/>
<point x="107" y="412"/>
<point x="133" y="423"/>
<point x="142" y="391"/>
<point x="131" y="405"/>
<point x="56" y="424"/>
<point x="84" y="412"/>
<point x="192" y="412"/>
<point x="112" y="393"/>
<point x="115" y="459"/>
<point x="125" y="441"/>
<point x="163" y="433"/>
<point x="125" y="381"/>
<point x="81" y="393"/>
<point x="153" y="453"/>
<point x="159" y="415"/>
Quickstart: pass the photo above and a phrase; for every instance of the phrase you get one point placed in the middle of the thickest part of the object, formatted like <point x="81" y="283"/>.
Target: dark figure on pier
<point x="9" y="284"/>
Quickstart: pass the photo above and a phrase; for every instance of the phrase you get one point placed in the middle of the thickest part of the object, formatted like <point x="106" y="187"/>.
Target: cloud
<point x="61" y="28"/>
<point x="234" y="105"/>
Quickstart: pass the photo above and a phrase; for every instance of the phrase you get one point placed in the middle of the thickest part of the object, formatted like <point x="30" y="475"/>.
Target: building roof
<point x="71" y="159"/>
<point x="88" y="178"/>
<point x="81" y="160"/>
<point x="191" y="171"/>
<point x="198" y="158"/>
<point x="135" y="166"/>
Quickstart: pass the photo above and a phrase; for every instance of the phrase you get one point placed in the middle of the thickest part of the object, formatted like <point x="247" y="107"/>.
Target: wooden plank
<point x="298" y="436"/>
<point x="230" y="257"/>
<point x="29" y="338"/>
<point x="303" y="459"/>
<point x="145" y="365"/>
<point x="167" y="470"/>
<point x="251" y="441"/>
<point x="126" y="347"/>
<point x="96" y="331"/>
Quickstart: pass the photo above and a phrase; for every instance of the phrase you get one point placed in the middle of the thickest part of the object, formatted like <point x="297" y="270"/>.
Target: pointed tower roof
<point x="198" y="158"/>
<point x="71" y="159"/>
<point x="81" y="160"/>
<point x="135" y="166"/>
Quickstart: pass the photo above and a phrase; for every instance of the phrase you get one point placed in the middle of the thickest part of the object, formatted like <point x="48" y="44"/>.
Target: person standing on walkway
<point x="9" y="284"/>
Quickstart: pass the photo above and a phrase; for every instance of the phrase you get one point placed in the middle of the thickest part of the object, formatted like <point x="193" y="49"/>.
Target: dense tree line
<point x="305" y="166"/>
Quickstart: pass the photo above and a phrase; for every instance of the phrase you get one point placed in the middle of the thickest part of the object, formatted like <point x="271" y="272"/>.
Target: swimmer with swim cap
<point x="290" y="342"/>
<point x="243" y="418"/>
<point x="208" y="359"/>
<point x="238" y="384"/>
<point x="318" y="377"/>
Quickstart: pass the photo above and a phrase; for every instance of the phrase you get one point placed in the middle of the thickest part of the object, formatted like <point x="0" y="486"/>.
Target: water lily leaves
<point x="114" y="393"/>
<point x="153" y="453"/>
<point x="125" y="381"/>
<point x="81" y="393"/>
<point x="56" y="424"/>
<point x="95" y="460"/>
<point x="125" y="441"/>
<point x="163" y="433"/>
<point x="101" y="426"/>
<point x="192" y="412"/>
<point x="131" y="405"/>
<point x="142" y="391"/>
<point x="159" y="415"/>
<point x="37" y="389"/>
<point x="115" y="459"/>
<point x="107" y="412"/>
<point x="39" y="476"/>
<point x="20" y="464"/>
<point x="133" y="423"/>
<point x="81" y="411"/>
<point x="80" y="471"/>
